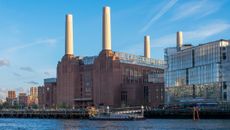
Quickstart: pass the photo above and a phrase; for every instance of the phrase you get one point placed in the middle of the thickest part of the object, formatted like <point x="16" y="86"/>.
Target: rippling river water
<point x="148" y="124"/>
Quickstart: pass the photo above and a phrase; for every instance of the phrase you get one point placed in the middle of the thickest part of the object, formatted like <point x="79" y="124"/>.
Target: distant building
<point x="34" y="91"/>
<point x="111" y="78"/>
<point x="11" y="98"/>
<point x="198" y="73"/>
<point x="22" y="99"/>
<point x="33" y="96"/>
<point x="41" y="96"/>
<point x="47" y="93"/>
<point x="11" y="94"/>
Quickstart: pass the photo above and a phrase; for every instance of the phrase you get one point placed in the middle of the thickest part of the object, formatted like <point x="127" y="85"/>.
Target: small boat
<point x="116" y="117"/>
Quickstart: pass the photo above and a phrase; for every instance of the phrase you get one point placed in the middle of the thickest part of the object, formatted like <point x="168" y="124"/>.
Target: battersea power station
<point x="112" y="78"/>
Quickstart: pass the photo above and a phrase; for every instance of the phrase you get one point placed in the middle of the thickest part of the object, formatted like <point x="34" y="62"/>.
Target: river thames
<point x="148" y="124"/>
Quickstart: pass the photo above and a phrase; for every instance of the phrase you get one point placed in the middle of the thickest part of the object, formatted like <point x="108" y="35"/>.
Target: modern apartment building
<point x="22" y="99"/>
<point x="197" y="73"/>
<point x="11" y="98"/>
<point x="33" y="96"/>
<point x="47" y="93"/>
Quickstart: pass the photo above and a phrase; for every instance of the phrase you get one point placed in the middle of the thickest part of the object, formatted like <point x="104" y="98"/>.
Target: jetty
<point x="56" y="114"/>
<point x="129" y="113"/>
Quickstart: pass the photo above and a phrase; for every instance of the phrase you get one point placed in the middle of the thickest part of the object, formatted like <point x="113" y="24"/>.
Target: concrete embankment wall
<point x="187" y="114"/>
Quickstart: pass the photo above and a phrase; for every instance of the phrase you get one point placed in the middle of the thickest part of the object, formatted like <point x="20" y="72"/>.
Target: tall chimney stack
<point x="69" y="35"/>
<point x="179" y="40"/>
<point x="106" y="29"/>
<point x="147" y="46"/>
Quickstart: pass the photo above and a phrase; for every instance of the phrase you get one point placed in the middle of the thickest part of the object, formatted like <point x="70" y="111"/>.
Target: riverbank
<point x="79" y="114"/>
<point x="187" y="114"/>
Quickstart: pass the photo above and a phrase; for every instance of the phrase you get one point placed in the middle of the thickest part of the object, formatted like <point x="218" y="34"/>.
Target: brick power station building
<point x="111" y="78"/>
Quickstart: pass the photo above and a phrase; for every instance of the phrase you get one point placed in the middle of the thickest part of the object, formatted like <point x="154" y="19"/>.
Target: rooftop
<point x="129" y="59"/>
<point x="190" y="46"/>
<point x="50" y="80"/>
<point x="139" y="60"/>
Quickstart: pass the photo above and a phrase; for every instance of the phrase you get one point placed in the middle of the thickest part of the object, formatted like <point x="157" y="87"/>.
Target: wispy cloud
<point x="207" y="31"/>
<point x="200" y="33"/>
<point x="136" y="49"/>
<point x="47" y="73"/>
<point x="199" y="8"/>
<point x="48" y="41"/>
<point x="28" y="69"/>
<point x="4" y="62"/>
<point x="32" y="83"/>
<point x="17" y="74"/>
<point x="20" y="90"/>
<point x="164" y="10"/>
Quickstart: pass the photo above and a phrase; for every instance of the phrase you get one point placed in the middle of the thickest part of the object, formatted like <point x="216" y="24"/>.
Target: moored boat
<point x="118" y="117"/>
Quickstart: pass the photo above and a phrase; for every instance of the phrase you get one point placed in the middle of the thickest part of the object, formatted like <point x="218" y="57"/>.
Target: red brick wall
<point x="108" y="79"/>
<point x="67" y="80"/>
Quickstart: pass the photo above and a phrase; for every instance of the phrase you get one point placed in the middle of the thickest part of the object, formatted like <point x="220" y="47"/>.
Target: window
<point x="124" y="97"/>
<point x="146" y="94"/>
<point x="224" y="85"/>
<point x="225" y="95"/>
<point x="224" y="56"/>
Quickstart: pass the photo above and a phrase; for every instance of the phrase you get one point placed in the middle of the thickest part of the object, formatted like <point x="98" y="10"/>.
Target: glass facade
<point x="198" y="72"/>
<point x="204" y="74"/>
<point x="88" y="60"/>
<point x="139" y="60"/>
<point x="129" y="59"/>
<point x="181" y="60"/>
<point x="50" y="80"/>
<point x="226" y="71"/>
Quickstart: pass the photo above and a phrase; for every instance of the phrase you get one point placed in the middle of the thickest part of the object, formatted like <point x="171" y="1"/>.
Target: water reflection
<point x="149" y="124"/>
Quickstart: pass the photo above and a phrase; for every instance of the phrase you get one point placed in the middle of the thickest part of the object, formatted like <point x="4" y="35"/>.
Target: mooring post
<point x="196" y="113"/>
<point x="142" y="111"/>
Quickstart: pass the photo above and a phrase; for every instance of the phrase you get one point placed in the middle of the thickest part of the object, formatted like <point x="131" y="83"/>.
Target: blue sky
<point x="32" y="31"/>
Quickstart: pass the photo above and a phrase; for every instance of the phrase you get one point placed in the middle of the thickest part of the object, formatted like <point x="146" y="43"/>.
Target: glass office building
<point x="198" y="73"/>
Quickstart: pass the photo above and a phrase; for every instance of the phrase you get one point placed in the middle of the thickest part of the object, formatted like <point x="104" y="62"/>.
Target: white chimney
<point x="69" y="35"/>
<point x="179" y="40"/>
<point x="106" y="29"/>
<point x="147" y="52"/>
